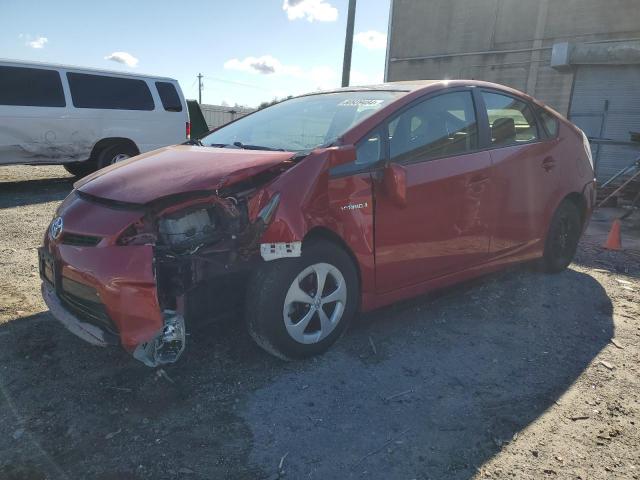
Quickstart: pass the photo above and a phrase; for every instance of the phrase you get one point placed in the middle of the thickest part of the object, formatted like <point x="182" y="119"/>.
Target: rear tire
<point x="80" y="169"/>
<point x="287" y="316"/>
<point x="114" y="154"/>
<point x="562" y="239"/>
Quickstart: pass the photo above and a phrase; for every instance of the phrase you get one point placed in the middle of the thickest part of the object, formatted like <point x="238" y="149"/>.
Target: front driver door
<point x="444" y="226"/>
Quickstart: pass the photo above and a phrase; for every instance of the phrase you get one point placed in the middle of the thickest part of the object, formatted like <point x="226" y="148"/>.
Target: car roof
<point x="409" y="86"/>
<point x="25" y="63"/>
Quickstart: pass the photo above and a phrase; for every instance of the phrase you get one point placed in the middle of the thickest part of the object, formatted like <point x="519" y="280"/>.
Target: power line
<point x="232" y="82"/>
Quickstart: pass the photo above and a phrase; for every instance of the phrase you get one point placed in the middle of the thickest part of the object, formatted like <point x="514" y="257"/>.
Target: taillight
<point x="587" y="148"/>
<point x="188" y="129"/>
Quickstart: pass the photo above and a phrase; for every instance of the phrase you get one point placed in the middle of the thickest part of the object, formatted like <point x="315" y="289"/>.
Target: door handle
<point x="548" y="164"/>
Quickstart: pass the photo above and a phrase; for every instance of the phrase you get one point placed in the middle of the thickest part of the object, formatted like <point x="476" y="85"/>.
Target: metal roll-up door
<point x="605" y="103"/>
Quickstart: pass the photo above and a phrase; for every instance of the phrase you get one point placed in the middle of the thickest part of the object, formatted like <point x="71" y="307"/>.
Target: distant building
<point x="582" y="57"/>
<point x="218" y="115"/>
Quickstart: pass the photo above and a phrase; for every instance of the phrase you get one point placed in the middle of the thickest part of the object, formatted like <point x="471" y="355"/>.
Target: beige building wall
<point x="503" y="41"/>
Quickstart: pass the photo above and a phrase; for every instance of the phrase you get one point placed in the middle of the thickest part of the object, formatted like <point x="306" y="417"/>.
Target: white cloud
<point x="357" y="78"/>
<point x="124" y="58"/>
<point x="265" y="65"/>
<point x="38" y="42"/>
<point x="321" y="76"/>
<point x="371" y="39"/>
<point x="319" y="10"/>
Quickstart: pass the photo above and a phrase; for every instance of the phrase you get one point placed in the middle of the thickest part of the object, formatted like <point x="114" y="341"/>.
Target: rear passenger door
<point x="444" y="226"/>
<point x="525" y="171"/>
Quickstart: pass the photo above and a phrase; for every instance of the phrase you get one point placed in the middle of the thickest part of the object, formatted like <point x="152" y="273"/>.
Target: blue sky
<point x="248" y="50"/>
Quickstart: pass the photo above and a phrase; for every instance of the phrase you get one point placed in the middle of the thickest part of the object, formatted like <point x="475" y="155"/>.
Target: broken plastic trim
<point x="269" y="210"/>
<point x="273" y="251"/>
<point x="167" y="346"/>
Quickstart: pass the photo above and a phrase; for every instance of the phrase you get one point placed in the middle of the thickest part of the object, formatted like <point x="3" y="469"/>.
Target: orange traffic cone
<point x="613" y="240"/>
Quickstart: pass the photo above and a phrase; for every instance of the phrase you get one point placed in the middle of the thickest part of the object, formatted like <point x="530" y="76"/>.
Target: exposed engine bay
<point x="198" y="239"/>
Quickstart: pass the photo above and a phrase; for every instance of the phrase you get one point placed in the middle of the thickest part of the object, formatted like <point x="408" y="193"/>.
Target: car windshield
<point x="301" y="123"/>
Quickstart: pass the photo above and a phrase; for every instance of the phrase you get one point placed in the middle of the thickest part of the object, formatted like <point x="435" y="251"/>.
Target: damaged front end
<point x="167" y="346"/>
<point x="199" y="240"/>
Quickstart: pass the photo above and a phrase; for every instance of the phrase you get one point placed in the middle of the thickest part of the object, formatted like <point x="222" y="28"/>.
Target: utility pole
<point x="348" y="44"/>
<point x="200" y="88"/>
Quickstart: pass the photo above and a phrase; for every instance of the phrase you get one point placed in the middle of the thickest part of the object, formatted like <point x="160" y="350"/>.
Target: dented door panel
<point x="42" y="135"/>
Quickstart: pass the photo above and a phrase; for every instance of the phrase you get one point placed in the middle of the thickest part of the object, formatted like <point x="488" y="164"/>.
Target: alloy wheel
<point x="565" y="237"/>
<point x="314" y="303"/>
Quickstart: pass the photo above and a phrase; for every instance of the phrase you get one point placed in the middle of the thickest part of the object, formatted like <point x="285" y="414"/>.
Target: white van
<point x="85" y="119"/>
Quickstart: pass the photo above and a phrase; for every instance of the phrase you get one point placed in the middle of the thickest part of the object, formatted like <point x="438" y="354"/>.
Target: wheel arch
<point x="579" y="201"/>
<point x="111" y="141"/>
<point x="325" y="234"/>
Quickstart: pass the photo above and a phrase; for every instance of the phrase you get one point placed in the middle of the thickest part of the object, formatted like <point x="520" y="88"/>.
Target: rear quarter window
<point x="511" y="120"/>
<point x="112" y="93"/>
<point x="549" y="122"/>
<point x="169" y="96"/>
<point x="30" y="87"/>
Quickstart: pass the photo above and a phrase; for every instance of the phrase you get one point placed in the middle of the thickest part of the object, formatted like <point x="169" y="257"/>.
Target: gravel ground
<point x="516" y="375"/>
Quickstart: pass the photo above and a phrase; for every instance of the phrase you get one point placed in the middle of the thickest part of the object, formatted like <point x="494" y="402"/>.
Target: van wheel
<point x="114" y="154"/>
<point x="80" y="169"/>
<point x="563" y="237"/>
<point x="299" y="307"/>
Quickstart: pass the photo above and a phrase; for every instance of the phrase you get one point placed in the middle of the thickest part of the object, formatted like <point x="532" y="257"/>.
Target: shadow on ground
<point x="429" y="388"/>
<point x="29" y="192"/>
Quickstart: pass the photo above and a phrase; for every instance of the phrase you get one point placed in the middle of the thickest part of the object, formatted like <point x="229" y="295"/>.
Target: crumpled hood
<point x="177" y="169"/>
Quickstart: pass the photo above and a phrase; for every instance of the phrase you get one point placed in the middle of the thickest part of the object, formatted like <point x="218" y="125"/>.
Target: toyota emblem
<point x="56" y="228"/>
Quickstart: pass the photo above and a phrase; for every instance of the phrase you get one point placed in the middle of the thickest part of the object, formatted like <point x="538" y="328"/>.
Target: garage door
<point x="606" y="104"/>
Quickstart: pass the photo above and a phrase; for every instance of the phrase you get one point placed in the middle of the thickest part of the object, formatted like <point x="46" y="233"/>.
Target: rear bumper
<point x="589" y="193"/>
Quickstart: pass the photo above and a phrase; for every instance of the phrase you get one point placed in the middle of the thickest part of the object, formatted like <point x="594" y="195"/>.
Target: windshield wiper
<point x="256" y="147"/>
<point x="233" y="145"/>
<point x="300" y="155"/>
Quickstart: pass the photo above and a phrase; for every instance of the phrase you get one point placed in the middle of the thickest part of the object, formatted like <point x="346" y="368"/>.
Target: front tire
<point x="299" y="307"/>
<point x="562" y="239"/>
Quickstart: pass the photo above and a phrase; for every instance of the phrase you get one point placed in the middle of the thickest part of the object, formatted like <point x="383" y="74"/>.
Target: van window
<point x="30" y="87"/>
<point x="511" y="120"/>
<point x="169" y="96"/>
<point x="98" y="91"/>
<point x="437" y="127"/>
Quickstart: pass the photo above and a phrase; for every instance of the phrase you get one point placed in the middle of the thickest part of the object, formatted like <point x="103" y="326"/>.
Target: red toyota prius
<point x="317" y="207"/>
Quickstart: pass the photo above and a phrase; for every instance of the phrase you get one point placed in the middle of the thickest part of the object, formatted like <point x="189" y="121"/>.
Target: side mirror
<point x="342" y="155"/>
<point x="394" y="183"/>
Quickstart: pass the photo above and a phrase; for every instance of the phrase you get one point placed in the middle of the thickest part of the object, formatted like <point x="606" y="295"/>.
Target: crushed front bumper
<point x="86" y="331"/>
<point x="108" y="296"/>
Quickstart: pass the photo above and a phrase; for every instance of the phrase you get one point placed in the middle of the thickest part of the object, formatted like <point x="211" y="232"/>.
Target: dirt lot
<point x="518" y="375"/>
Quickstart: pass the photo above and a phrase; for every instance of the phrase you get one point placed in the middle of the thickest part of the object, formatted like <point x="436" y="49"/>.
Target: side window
<point x="169" y="96"/>
<point x="30" y="87"/>
<point x="511" y="120"/>
<point x="369" y="150"/>
<point x="440" y="126"/>
<point x="549" y="121"/>
<point x="115" y="93"/>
